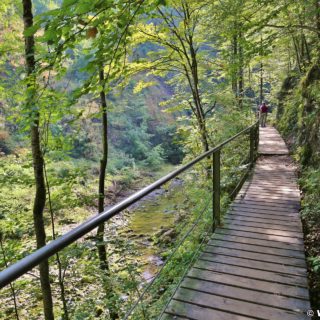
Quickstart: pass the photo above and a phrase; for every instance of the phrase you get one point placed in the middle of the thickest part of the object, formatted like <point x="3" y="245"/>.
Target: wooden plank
<point x="285" y="261"/>
<point x="263" y="218"/>
<point x="264" y="198"/>
<point x="259" y="265"/>
<point x="297" y="252"/>
<point x="285" y="236"/>
<point x="271" y="215"/>
<point x="271" y="188"/>
<point x="267" y="209"/>
<point x="268" y="197"/>
<point x="267" y="299"/>
<point x="254" y="222"/>
<point x="282" y="179"/>
<point x="274" y="176"/>
<point x="240" y="307"/>
<point x="260" y="236"/>
<point x="273" y="172"/>
<point x="287" y="186"/>
<point x="260" y="192"/>
<point x="245" y="272"/>
<point x="265" y="185"/>
<point x="291" y="184"/>
<point x="274" y="167"/>
<point x="195" y="312"/>
<point x="253" y="284"/>
<point x="292" y="204"/>
<point x="256" y="248"/>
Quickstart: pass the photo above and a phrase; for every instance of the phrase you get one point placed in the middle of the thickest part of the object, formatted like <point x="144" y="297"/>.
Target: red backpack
<point x="264" y="108"/>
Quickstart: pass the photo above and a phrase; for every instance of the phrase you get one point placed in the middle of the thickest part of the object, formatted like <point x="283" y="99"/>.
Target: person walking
<point x="263" y="114"/>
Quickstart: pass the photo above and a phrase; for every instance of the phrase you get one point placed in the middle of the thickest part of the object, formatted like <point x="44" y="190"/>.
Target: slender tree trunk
<point x="102" y="176"/>
<point x="307" y="50"/>
<point x="40" y="196"/>
<point x="297" y="52"/>
<point x="197" y="99"/>
<point x="65" y="315"/>
<point x="102" y="252"/>
<point x="317" y="10"/>
<point x="234" y="65"/>
<point x="13" y="291"/>
<point x="261" y="83"/>
<point x="241" y="71"/>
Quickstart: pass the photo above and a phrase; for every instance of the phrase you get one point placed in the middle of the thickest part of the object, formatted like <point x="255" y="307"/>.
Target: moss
<point x="299" y="121"/>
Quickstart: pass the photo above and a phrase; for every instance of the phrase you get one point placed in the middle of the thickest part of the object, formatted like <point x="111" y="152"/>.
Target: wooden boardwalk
<point x="254" y="265"/>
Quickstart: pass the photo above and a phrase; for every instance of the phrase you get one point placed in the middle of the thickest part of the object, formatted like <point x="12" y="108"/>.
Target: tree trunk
<point x="13" y="291"/>
<point x="40" y="196"/>
<point x="317" y="10"/>
<point x="261" y="83"/>
<point x="65" y="315"/>
<point x="241" y="71"/>
<point x="102" y="252"/>
<point x="103" y="165"/>
<point x="234" y="65"/>
<point x="196" y="96"/>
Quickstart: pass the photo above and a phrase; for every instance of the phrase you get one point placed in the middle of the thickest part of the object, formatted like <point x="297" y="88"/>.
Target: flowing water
<point x="156" y="213"/>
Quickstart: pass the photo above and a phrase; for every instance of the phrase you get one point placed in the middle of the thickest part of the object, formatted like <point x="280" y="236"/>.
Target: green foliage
<point x="137" y="46"/>
<point x="309" y="183"/>
<point x="155" y="157"/>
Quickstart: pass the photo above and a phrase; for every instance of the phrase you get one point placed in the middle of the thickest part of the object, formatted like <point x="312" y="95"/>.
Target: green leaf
<point x="32" y="30"/>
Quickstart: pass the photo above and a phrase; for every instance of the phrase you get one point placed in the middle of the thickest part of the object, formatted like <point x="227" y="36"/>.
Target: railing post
<point x="257" y="137"/>
<point x="252" y="145"/>
<point x="216" y="189"/>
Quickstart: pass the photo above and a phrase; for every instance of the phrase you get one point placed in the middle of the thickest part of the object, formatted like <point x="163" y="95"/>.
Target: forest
<point x="99" y="98"/>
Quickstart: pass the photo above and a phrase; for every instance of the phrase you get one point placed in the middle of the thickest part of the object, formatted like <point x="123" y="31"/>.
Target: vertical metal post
<point x="252" y="145"/>
<point x="257" y="137"/>
<point x="216" y="189"/>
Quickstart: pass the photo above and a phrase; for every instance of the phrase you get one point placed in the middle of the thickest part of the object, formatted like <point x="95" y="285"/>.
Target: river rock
<point x="168" y="236"/>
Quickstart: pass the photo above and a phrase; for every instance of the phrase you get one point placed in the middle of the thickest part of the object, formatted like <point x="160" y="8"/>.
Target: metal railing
<point x="26" y="264"/>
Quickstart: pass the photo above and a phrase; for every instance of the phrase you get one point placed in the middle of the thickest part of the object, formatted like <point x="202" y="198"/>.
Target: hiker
<point x="263" y="114"/>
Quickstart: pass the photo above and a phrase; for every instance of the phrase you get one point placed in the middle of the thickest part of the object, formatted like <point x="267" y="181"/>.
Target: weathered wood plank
<point x="256" y="248"/>
<point x="195" y="312"/>
<point x="259" y="265"/>
<point x="293" y="224"/>
<point x="262" y="192"/>
<point x="262" y="243"/>
<point x="286" y="261"/>
<point x="295" y="203"/>
<point x="249" y="283"/>
<point x="286" y="212"/>
<point x="254" y="222"/>
<point x="263" y="217"/>
<point x="263" y="298"/>
<point x="239" y="307"/>
<point x="269" y="203"/>
<point x="246" y="272"/>
<point x="281" y="241"/>
<point x="247" y="212"/>
<point x="285" y="236"/>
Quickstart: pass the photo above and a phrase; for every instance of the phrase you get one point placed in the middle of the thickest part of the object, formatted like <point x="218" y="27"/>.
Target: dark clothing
<point x="264" y="108"/>
<point x="263" y="114"/>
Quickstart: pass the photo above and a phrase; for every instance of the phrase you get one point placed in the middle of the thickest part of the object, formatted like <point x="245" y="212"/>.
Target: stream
<point x="153" y="215"/>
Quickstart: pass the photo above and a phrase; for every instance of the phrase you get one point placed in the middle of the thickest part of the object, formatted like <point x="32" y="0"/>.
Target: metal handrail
<point x="24" y="265"/>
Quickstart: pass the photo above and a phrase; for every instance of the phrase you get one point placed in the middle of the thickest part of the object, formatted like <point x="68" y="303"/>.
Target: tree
<point x="179" y="53"/>
<point x="38" y="164"/>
